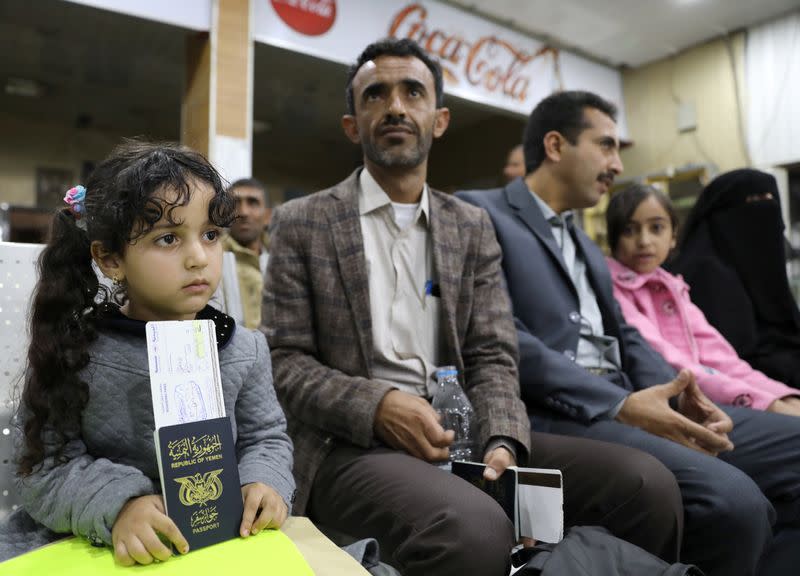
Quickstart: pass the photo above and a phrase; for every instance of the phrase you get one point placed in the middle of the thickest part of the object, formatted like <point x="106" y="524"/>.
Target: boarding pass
<point x="184" y="371"/>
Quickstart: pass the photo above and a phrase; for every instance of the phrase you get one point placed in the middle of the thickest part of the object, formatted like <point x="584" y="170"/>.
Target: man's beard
<point x="245" y="238"/>
<point x="393" y="158"/>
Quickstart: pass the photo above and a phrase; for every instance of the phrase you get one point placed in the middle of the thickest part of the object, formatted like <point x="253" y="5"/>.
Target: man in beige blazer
<point x="373" y="283"/>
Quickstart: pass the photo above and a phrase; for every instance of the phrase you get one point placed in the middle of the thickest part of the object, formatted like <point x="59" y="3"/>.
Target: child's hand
<point x="135" y="532"/>
<point x="258" y="496"/>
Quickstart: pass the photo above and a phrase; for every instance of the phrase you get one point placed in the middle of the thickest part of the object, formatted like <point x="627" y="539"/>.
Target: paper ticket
<point x="184" y="371"/>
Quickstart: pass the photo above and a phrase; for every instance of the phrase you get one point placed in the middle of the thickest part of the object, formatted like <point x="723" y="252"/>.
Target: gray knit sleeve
<point x="263" y="447"/>
<point x="77" y="493"/>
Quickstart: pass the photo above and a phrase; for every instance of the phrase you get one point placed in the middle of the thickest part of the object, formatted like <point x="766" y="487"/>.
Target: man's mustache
<point x="394" y="121"/>
<point x="607" y="177"/>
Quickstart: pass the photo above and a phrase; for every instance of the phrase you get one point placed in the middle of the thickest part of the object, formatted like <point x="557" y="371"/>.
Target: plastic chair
<point x="17" y="280"/>
<point x="228" y="298"/>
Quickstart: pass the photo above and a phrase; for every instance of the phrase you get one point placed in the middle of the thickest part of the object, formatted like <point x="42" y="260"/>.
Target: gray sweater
<point x="114" y="460"/>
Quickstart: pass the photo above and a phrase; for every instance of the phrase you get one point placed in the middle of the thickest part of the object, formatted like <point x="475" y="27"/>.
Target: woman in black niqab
<point x="732" y="255"/>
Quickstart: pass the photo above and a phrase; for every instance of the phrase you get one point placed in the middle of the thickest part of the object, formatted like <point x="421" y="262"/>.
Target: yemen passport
<point x="200" y="480"/>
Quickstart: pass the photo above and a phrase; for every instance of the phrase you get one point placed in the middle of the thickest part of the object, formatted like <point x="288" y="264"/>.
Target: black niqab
<point x="732" y="254"/>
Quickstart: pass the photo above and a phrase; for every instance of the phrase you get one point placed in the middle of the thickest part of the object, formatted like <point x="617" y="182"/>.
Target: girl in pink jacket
<point x="641" y="233"/>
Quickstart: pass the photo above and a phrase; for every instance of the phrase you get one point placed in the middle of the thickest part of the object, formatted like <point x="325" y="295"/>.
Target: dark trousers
<point x="428" y="521"/>
<point x="734" y="503"/>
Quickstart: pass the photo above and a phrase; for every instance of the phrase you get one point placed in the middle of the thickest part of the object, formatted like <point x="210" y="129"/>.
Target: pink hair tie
<point x="75" y="200"/>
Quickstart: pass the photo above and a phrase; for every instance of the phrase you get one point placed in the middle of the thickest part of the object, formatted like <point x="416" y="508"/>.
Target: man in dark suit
<point x="373" y="283"/>
<point x="586" y="373"/>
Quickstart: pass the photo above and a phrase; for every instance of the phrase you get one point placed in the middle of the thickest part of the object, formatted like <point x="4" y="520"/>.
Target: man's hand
<point x="701" y="426"/>
<point x="409" y="423"/>
<point x="696" y="406"/>
<point x="789" y="405"/>
<point x="257" y="496"/>
<point x="496" y="462"/>
<point x="136" y="529"/>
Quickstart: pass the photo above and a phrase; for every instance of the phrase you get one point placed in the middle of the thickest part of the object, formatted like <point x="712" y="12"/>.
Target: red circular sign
<point x="309" y="17"/>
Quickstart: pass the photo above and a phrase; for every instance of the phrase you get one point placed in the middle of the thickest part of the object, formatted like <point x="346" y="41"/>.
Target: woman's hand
<point x="260" y="497"/>
<point x="135" y="532"/>
<point x="789" y="405"/>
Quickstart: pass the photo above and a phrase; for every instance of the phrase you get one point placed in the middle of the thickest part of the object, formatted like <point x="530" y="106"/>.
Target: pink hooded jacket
<point x="658" y="305"/>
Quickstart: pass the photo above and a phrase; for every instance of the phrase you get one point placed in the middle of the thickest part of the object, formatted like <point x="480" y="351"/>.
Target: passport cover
<point x="200" y="480"/>
<point x="504" y="489"/>
<point x="532" y="498"/>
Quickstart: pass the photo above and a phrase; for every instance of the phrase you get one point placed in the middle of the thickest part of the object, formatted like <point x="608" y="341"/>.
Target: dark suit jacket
<point x="544" y="299"/>
<point x="316" y="316"/>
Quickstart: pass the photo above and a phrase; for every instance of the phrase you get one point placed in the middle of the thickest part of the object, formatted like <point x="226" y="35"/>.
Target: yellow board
<point x="268" y="553"/>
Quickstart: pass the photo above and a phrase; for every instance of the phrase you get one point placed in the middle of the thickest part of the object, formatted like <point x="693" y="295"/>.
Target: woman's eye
<point x="166" y="240"/>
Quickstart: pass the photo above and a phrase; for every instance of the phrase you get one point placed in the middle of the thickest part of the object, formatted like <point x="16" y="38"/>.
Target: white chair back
<point x="17" y="281"/>
<point x="228" y="298"/>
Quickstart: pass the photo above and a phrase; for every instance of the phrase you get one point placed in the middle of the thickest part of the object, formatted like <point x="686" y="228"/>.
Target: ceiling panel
<point x="95" y="68"/>
<point x="628" y="32"/>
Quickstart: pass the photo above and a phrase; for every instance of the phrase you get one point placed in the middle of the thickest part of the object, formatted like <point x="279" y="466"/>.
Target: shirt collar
<point x="231" y="245"/>
<point x="372" y="197"/>
<point x="550" y="214"/>
<point x="623" y="276"/>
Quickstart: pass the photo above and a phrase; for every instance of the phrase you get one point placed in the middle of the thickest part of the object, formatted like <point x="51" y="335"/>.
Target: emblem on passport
<point x="200" y="480"/>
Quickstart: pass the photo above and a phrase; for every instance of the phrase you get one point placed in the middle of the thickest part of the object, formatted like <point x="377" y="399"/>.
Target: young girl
<point x="641" y="231"/>
<point x="150" y="218"/>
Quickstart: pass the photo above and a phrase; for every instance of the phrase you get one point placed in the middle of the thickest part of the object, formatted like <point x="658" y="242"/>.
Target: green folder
<point x="267" y="553"/>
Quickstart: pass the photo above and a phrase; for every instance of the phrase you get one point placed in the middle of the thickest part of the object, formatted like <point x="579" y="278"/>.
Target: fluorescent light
<point x="24" y="87"/>
<point x="261" y="126"/>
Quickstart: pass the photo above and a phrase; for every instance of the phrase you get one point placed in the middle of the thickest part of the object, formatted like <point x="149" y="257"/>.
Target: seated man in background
<point x="247" y="240"/>
<point x="515" y="164"/>
<point x="586" y="373"/>
<point x="374" y="283"/>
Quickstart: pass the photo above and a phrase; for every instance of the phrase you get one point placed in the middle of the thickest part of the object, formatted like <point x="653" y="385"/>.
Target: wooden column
<point x="216" y="114"/>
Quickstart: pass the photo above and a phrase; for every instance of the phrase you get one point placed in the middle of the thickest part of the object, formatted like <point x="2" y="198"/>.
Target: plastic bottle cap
<point x="446" y="371"/>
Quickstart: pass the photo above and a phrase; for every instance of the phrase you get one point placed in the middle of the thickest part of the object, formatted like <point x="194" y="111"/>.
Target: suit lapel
<point x="345" y="227"/>
<point x="448" y="259"/>
<point x="520" y="199"/>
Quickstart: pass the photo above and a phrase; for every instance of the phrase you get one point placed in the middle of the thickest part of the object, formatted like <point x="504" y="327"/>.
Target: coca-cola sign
<point x="489" y="62"/>
<point x="481" y="60"/>
<point x="310" y="17"/>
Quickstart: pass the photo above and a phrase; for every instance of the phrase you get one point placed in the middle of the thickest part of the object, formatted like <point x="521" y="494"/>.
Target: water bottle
<point x="457" y="413"/>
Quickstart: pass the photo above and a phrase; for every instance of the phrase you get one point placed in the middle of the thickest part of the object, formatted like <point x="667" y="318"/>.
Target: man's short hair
<point x="394" y="47"/>
<point x="251" y="183"/>
<point x="564" y="113"/>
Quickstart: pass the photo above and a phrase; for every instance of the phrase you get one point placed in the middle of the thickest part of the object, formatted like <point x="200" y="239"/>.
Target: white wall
<point x="772" y="69"/>
<point x="27" y="145"/>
